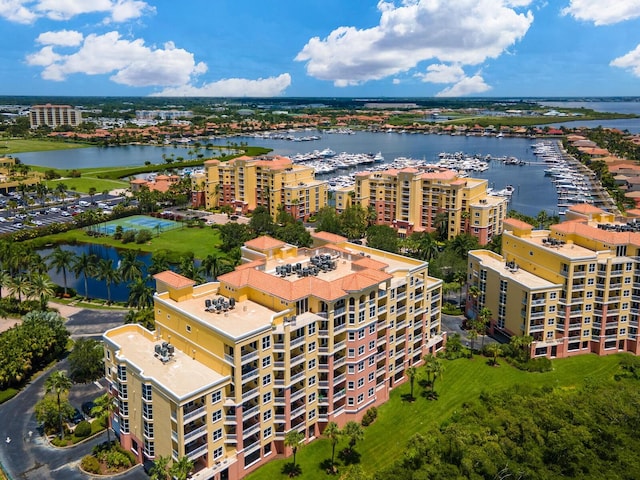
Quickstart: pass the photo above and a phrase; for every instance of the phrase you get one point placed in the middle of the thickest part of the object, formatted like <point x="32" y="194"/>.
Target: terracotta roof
<point x="264" y="242"/>
<point x="604" y="236"/>
<point x="366" y="262"/>
<point x="515" y="223"/>
<point x="138" y="181"/>
<point x="585" y="208"/>
<point x="329" y="237"/>
<point x="174" y="279"/>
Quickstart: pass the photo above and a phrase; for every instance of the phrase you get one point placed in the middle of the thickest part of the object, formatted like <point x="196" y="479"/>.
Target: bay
<point x="632" y="125"/>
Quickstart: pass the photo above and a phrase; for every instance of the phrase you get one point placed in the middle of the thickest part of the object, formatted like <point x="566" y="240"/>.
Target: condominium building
<point x="427" y="199"/>
<point x="14" y="175"/>
<point x="54" y="116"/>
<point x="572" y="288"/>
<point x="245" y="183"/>
<point x="292" y="339"/>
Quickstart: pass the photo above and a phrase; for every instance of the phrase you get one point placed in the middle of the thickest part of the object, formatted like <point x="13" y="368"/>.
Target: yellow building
<point x="292" y="339"/>
<point x="416" y="200"/>
<point x="246" y="182"/>
<point x="571" y="288"/>
<point x="13" y="175"/>
<point x="54" y="116"/>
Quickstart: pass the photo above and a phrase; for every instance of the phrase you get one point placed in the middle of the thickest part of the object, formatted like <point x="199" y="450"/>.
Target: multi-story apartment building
<point x="292" y="339"/>
<point x="427" y="199"/>
<point x="246" y="182"/>
<point x="13" y="175"/>
<point x="572" y="288"/>
<point x="54" y="116"/>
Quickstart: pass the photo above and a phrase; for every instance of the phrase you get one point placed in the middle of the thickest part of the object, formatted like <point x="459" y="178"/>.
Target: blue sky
<point x="335" y="48"/>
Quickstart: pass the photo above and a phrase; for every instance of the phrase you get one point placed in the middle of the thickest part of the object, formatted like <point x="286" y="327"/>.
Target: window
<point x="188" y="328"/>
<point x="266" y="361"/>
<point x="586" y="333"/>
<point x="370" y="392"/>
<point x="350" y="401"/>
<point x="312" y="380"/>
<point x="266" y="398"/>
<point x="360" y="366"/>
<point x="372" y="345"/>
<point x="311" y="329"/>
<point x="552" y="295"/>
<point x="312" y="364"/>
<point x="590" y="281"/>
<point x="372" y="376"/>
<point x="361" y="334"/>
<point x="312" y="347"/>
<point x="351" y="385"/>
<point x="361" y="398"/>
<point x="266" y="416"/>
<point x="372" y="360"/>
<point x="217" y="453"/>
<point x="587" y="308"/>
<point x="147" y="411"/>
<point x="551" y="321"/>
<point x="148" y="429"/>
<point x="351" y="369"/>
<point x="216" y="416"/>
<point x="352" y="336"/>
<point x="351" y="352"/>
<point x="372" y="328"/>
<point x="146" y="392"/>
<point x="217" y="434"/>
<point x="549" y="335"/>
<point x="312" y="397"/>
<point x="122" y="373"/>
<point x="266" y="342"/>
<point x="361" y="350"/>
<point x="266" y="380"/>
<point x="587" y="319"/>
<point x="360" y="382"/>
<point x="216" y="397"/>
<point x="623" y="331"/>
<point x="124" y="425"/>
<point x="552" y="308"/>
<point x="312" y="414"/>
<point x="623" y="318"/>
<point x="589" y="295"/>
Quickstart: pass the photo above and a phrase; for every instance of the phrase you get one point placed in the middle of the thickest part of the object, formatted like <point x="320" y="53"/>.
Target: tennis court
<point x="139" y="222"/>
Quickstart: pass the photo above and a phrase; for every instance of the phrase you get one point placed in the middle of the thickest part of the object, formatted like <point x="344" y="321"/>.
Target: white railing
<point x="195" y="433"/>
<point x="194" y="414"/>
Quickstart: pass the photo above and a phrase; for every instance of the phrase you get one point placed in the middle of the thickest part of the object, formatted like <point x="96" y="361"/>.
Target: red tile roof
<point x="174" y="279"/>
<point x="264" y="242"/>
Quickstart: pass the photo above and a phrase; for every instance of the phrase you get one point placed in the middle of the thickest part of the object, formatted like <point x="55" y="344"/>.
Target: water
<point x="96" y="288"/>
<point x="630" y="124"/>
<point x="534" y="192"/>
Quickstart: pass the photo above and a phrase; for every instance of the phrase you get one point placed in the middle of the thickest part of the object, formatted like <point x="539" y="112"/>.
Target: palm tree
<point x="18" y="286"/>
<point x="61" y="260"/>
<point x="294" y="439"/>
<point x="159" y="262"/>
<point x="333" y="433"/>
<point x="130" y="266"/>
<point x="216" y="264"/>
<point x="494" y="350"/>
<point x="484" y="318"/>
<point x="140" y="294"/>
<point x="434" y="369"/>
<point x="411" y="373"/>
<point x="41" y="287"/>
<point x="59" y="384"/>
<point x="180" y="469"/>
<point x="354" y="432"/>
<point x="108" y="274"/>
<point x="474" y="292"/>
<point x="5" y="280"/>
<point x="104" y="408"/>
<point x="85" y="265"/>
<point x="61" y="190"/>
<point x="473" y="336"/>
<point x="159" y="470"/>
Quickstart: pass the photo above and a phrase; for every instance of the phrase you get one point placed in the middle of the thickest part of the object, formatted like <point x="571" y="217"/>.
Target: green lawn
<point x="463" y="380"/>
<point x="200" y="241"/>
<point x="15" y="146"/>
<point x="85" y="183"/>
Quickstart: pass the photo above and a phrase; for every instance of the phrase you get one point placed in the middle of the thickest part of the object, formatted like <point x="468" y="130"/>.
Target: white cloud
<point x="131" y="62"/>
<point x="630" y="61"/>
<point x="464" y="32"/>
<point x="439" y="73"/>
<point x="16" y="11"/>
<point x="64" y="38"/>
<point x="466" y="86"/>
<point x="232" y="87"/>
<point x="28" y="11"/>
<point x="603" y="13"/>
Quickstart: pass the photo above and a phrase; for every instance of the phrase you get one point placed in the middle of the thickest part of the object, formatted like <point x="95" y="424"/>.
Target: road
<point x="32" y="457"/>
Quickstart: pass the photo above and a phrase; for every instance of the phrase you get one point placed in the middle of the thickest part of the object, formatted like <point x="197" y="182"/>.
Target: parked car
<point x="77" y="417"/>
<point x="87" y="407"/>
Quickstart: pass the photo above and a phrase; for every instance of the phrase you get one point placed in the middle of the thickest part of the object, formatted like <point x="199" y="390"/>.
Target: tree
<point x="294" y="439"/>
<point x="353" y="221"/>
<point x="18" y="286"/>
<point x="484" y="317"/>
<point x="216" y="264"/>
<point x="159" y="262"/>
<point x="61" y="260"/>
<point x="92" y="192"/>
<point x="494" y="350"/>
<point x="108" y="274"/>
<point x="434" y="368"/>
<point x="160" y="468"/>
<point x="333" y="434"/>
<point x="103" y="408"/>
<point x="41" y="287"/>
<point x="58" y="384"/>
<point x="327" y="220"/>
<point x="85" y="264"/>
<point x="180" y="470"/>
<point x="473" y="336"/>
<point x="61" y="190"/>
<point x="382" y="237"/>
<point x="140" y="294"/>
<point x="86" y="362"/>
<point x="48" y="413"/>
<point x="354" y="432"/>
<point x="130" y="266"/>
<point x="142" y="317"/>
<point x="261" y="221"/>
<point x="411" y="373"/>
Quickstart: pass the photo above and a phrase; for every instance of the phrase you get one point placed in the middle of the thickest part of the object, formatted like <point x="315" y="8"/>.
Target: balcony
<point x="280" y="418"/>
<point x="278" y="365"/>
<point x="278" y="347"/>
<point x="340" y="394"/>
<point x="250" y="412"/>
<point x="339" y="328"/>
<point x="297" y="360"/>
<point x="339" y="362"/>
<point x="297" y="395"/>
<point x="250" y="394"/>
<point x="247" y="357"/>
<point x="255" y="373"/>
<point x="340" y="346"/>
<point x="197" y="453"/>
<point x="381" y="356"/>
<point x="339" y="311"/>
<point x="339" y="379"/>
<point x="381" y="341"/>
<point x="323" y="333"/>
<point x="381" y="371"/>
<point x="251" y="430"/>
<point x="193" y="413"/>
<point x="298" y="411"/>
<point x="400" y="339"/>
<point x="193" y="434"/>
<point x="298" y="376"/>
<point x="297" y="341"/>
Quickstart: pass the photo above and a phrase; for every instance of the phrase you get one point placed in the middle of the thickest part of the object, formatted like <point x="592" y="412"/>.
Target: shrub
<point x="129" y="236"/>
<point x="90" y="464"/>
<point x="117" y="458"/>
<point x="369" y="416"/>
<point x="83" y="429"/>
<point x="143" y="236"/>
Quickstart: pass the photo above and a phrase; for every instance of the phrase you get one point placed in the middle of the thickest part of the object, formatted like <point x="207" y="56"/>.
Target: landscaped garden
<point x="385" y="441"/>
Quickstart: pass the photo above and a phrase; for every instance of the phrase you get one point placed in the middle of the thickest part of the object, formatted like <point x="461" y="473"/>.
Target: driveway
<point x="93" y="323"/>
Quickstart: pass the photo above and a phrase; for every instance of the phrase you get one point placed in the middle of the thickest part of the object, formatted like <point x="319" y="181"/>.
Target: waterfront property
<point x="245" y="183"/>
<point x="571" y="288"/>
<point x="13" y="175"/>
<point x="292" y="339"/>
<point x="54" y="116"/>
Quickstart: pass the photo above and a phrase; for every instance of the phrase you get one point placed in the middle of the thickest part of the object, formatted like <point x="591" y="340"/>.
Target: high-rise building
<point x="292" y="339"/>
<point x="572" y="288"/>
<point x="54" y="116"/>
<point x="245" y="183"/>
<point x="433" y="199"/>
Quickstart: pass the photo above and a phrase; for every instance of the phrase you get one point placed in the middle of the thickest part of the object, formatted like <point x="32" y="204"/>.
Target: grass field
<point x="200" y="241"/>
<point x="463" y="380"/>
<point x="85" y="183"/>
<point x="15" y="146"/>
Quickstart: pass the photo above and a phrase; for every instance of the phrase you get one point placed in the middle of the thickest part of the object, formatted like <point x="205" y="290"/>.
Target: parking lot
<point x="22" y="217"/>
